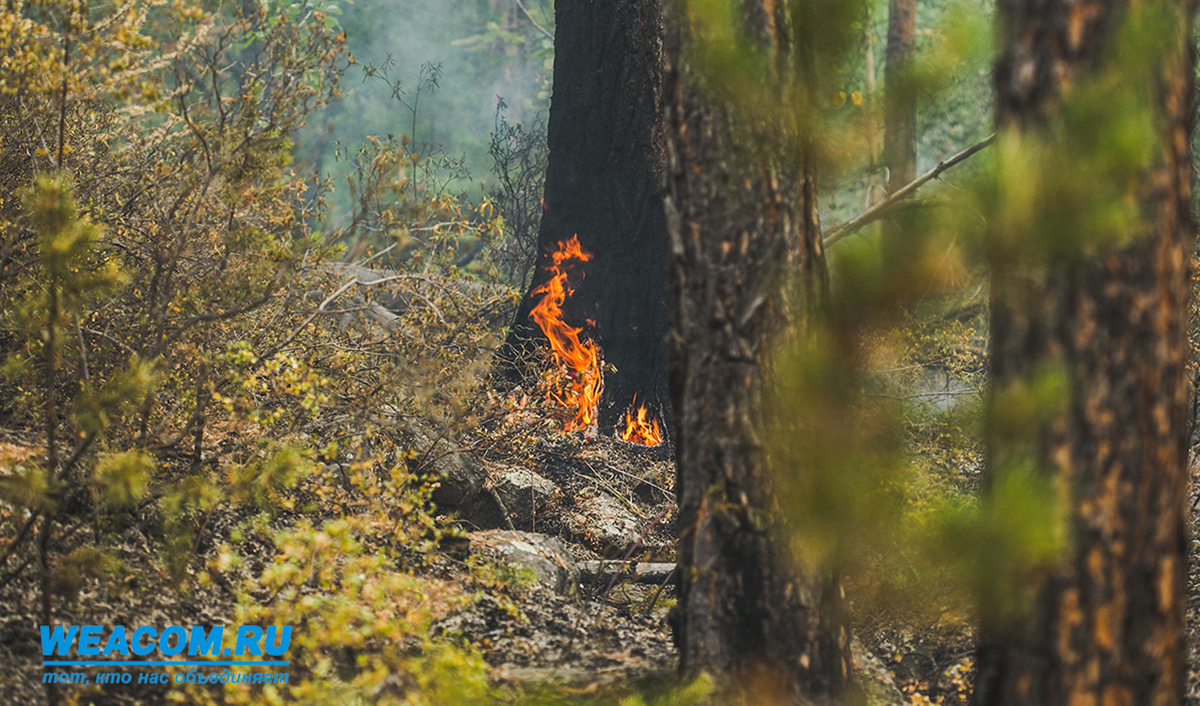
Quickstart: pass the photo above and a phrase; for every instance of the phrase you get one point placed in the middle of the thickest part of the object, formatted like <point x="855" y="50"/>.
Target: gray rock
<point x="459" y="479"/>
<point x="547" y="557"/>
<point x="524" y="494"/>
<point x="604" y="523"/>
<point x="459" y="475"/>
<point x="484" y="511"/>
<point x="876" y="682"/>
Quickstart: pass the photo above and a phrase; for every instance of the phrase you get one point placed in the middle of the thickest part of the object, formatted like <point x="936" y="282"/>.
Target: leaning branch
<point x="534" y="22"/>
<point x="880" y="209"/>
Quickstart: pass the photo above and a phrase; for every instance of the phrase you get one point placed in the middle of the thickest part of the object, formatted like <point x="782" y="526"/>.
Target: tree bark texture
<point x="604" y="184"/>
<point x="900" y="107"/>
<point x="900" y="123"/>
<point x="1107" y="626"/>
<point x="742" y="217"/>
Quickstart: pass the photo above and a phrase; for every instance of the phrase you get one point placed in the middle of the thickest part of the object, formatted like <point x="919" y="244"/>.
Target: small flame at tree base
<point x="638" y="430"/>
<point x="577" y="380"/>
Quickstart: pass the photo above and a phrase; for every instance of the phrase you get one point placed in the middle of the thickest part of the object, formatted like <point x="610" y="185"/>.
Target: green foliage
<point x="260" y="481"/>
<point x="1002" y="546"/>
<point x="949" y="79"/>
<point x="27" y="488"/>
<point x="162" y="348"/>
<point x="81" y="564"/>
<point x="884" y="486"/>
<point x="362" y="618"/>
<point x="123" y="477"/>
<point x="1072" y="188"/>
<point x="98" y="409"/>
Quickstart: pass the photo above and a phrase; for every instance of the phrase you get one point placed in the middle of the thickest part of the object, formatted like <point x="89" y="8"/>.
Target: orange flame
<point x="579" y="382"/>
<point x="638" y="430"/>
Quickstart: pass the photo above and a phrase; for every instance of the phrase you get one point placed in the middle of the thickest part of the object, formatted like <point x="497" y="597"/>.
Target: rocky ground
<point x="595" y="524"/>
<point x="590" y="527"/>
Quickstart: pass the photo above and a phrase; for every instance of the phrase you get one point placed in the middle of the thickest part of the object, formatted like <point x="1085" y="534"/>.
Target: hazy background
<point x="486" y="50"/>
<point x="492" y="50"/>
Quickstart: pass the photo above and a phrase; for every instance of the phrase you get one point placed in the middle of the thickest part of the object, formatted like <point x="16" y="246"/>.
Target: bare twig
<point x="19" y="539"/>
<point x="880" y="209"/>
<point x="62" y="108"/>
<point x="635" y="571"/>
<point x="83" y="357"/>
<point x="328" y="300"/>
<point x="661" y="586"/>
<point x="534" y="22"/>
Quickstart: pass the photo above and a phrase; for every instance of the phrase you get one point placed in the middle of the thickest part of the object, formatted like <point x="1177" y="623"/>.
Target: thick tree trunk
<point x="604" y="184"/>
<point x="1107" y="625"/>
<point x="742" y="217"/>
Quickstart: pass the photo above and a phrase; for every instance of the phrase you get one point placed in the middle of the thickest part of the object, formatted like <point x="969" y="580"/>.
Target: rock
<point x="524" y="493"/>
<point x="876" y="682"/>
<point x="458" y="479"/>
<point x="459" y="475"/>
<point x="603" y="523"/>
<point x="484" y="511"/>
<point x="547" y="557"/>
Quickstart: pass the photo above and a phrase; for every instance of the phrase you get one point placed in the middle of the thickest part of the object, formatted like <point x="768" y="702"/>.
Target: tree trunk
<point x="900" y="117"/>
<point x="1106" y="625"/>
<point x="742" y="215"/>
<point x="604" y="184"/>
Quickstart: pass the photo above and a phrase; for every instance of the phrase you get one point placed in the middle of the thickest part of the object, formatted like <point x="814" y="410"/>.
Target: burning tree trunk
<point x="1105" y="626"/>
<point x="742" y="215"/>
<point x="603" y="187"/>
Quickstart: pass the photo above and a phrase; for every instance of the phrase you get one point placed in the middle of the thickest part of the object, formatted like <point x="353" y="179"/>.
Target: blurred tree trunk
<point x="900" y="114"/>
<point x="742" y="224"/>
<point x="604" y="184"/>
<point x="1106" y="626"/>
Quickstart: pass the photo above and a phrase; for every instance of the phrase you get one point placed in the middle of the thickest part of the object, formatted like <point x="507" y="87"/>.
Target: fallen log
<point x="635" y="571"/>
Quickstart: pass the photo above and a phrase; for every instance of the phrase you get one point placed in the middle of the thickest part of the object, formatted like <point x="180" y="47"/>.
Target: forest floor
<point x="554" y="627"/>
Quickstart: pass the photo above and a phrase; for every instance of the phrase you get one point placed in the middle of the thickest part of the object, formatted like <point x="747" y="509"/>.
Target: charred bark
<point x="742" y="222"/>
<point x="1107" y="625"/>
<point x="604" y="184"/>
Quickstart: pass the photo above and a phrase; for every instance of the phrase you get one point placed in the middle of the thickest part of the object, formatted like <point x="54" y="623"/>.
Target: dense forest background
<point x="262" y="263"/>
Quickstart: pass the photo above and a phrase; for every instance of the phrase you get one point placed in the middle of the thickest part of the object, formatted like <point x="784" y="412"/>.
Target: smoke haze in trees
<point x="486" y="49"/>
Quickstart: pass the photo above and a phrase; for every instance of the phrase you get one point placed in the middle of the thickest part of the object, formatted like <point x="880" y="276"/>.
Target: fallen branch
<point x="635" y="571"/>
<point x="880" y="209"/>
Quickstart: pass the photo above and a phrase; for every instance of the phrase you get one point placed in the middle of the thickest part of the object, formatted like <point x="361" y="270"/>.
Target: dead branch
<point x="635" y="571"/>
<point x="883" y="207"/>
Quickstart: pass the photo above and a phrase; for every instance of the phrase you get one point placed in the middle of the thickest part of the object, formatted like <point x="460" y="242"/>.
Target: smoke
<point x="487" y="50"/>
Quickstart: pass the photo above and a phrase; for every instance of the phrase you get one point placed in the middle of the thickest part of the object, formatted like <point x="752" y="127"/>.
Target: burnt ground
<point x="601" y="640"/>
